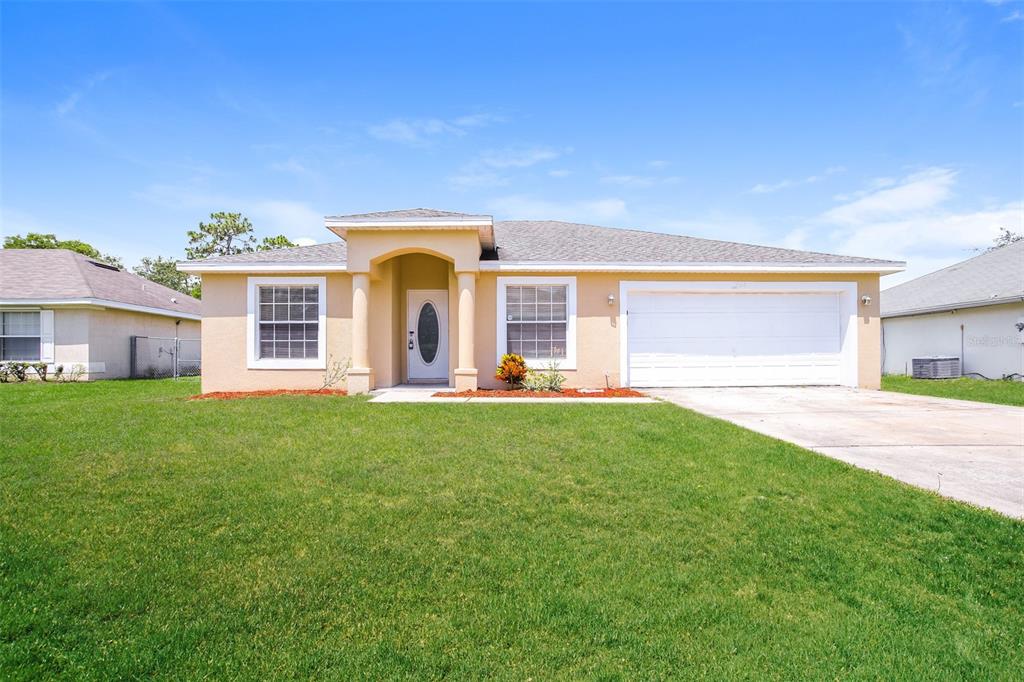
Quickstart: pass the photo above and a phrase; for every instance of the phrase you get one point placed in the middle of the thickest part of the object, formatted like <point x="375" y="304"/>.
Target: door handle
<point x="410" y="340"/>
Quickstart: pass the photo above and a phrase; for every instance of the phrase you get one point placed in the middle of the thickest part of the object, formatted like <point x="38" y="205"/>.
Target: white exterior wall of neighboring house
<point x="988" y="344"/>
<point x="98" y="338"/>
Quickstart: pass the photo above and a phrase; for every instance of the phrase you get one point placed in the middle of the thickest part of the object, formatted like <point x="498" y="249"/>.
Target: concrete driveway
<point x="964" y="450"/>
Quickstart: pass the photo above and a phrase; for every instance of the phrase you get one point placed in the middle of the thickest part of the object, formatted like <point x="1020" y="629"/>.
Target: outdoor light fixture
<point x="865" y="299"/>
<point x="611" y="299"/>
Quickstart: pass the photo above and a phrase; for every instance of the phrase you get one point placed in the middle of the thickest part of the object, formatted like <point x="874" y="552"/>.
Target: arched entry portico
<point x="405" y="283"/>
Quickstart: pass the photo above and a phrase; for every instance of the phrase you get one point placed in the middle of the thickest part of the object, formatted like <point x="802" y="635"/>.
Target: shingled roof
<point x="992" y="278"/>
<point x="62" y="275"/>
<point x="551" y="241"/>
<point x="406" y="214"/>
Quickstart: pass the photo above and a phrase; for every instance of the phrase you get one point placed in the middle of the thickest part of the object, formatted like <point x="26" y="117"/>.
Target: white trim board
<point x="99" y="303"/>
<point x="575" y="266"/>
<point x="570" y="328"/>
<point x="847" y="292"/>
<point x="253" y="361"/>
<point x="260" y="267"/>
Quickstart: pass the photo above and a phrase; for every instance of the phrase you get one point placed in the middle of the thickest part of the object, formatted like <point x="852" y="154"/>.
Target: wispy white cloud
<point x="478" y="120"/>
<point x="768" y="188"/>
<point x="423" y="131"/>
<point x="68" y="105"/>
<point x="640" y="181"/>
<point x="472" y="176"/>
<point x="559" y="172"/>
<point x="659" y="164"/>
<point x="524" y="206"/>
<point x="908" y="219"/>
<point x="1015" y="15"/>
<point x="292" y="166"/>
<point x="483" y="171"/>
<point x="518" y="157"/>
<point x="916" y="192"/>
<point x="294" y="219"/>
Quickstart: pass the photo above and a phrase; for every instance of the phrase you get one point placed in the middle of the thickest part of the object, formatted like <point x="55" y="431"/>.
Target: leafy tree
<point x="37" y="240"/>
<point x="1005" y="238"/>
<point x="226" y="234"/>
<point x="163" y="271"/>
<point x="278" y="242"/>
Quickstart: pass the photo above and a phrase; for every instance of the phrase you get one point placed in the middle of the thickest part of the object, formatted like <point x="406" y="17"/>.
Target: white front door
<point x="427" y="336"/>
<point x="728" y="339"/>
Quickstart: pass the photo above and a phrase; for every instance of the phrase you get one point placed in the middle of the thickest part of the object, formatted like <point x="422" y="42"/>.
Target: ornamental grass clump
<point x="512" y="369"/>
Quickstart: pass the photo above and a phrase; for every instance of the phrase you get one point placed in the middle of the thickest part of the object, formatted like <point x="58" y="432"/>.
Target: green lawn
<point x="144" y="535"/>
<point x="999" y="392"/>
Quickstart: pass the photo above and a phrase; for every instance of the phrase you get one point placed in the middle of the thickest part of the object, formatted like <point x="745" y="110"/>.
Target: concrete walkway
<point x="425" y="394"/>
<point x="964" y="450"/>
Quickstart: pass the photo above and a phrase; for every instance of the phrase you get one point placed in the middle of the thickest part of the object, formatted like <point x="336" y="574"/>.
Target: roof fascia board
<point x="947" y="307"/>
<point x="551" y="266"/>
<point x="260" y="267"/>
<point x="99" y="303"/>
<point x="446" y="223"/>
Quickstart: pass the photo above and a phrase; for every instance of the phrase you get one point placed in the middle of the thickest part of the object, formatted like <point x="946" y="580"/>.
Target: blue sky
<point x="885" y="130"/>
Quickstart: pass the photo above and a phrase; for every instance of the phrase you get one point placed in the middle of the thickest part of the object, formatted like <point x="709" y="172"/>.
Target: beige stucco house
<point x="63" y="308"/>
<point x="434" y="296"/>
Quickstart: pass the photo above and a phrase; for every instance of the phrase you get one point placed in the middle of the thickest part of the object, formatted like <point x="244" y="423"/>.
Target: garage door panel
<point x="677" y="339"/>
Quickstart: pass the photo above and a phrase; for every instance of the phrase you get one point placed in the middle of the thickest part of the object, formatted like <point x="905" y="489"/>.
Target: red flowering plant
<point x="512" y="369"/>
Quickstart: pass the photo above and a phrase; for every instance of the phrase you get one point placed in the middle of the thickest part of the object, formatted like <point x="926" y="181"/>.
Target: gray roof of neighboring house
<point x="992" y="278"/>
<point x="554" y="241"/>
<point x="59" y="274"/>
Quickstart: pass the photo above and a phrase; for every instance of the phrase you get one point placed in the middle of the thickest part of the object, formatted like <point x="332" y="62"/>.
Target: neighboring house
<point x="970" y="310"/>
<point x="432" y="296"/>
<point x="63" y="308"/>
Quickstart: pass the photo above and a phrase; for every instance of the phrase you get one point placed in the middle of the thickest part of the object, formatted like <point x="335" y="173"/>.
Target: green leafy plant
<point x="5" y="373"/>
<point x="512" y="369"/>
<point x="549" y="379"/>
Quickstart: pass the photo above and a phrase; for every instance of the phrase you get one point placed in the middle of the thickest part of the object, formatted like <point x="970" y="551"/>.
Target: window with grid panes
<point x="289" y="322"/>
<point x="537" y="320"/>
<point x="20" y="336"/>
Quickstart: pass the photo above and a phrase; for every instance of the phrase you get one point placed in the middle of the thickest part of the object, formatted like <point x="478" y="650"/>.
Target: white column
<point x="466" y="372"/>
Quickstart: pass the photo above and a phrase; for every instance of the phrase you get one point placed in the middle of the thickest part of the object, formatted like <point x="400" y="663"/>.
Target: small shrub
<point x="512" y="369"/>
<point x="40" y="369"/>
<point x="5" y="373"/>
<point x="549" y="379"/>
<point x="77" y="370"/>
<point x="335" y="373"/>
<point x="58" y="372"/>
<point x="19" y="370"/>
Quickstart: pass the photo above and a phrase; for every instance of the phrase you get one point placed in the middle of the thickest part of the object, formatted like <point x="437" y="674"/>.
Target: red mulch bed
<point x="521" y="393"/>
<point x="234" y="395"/>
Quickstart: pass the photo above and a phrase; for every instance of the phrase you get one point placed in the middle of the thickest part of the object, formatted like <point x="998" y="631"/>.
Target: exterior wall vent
<point x="936" y="368"/>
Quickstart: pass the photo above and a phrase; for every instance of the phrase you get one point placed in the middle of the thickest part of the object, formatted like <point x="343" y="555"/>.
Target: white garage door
<point x="730" y="339"/>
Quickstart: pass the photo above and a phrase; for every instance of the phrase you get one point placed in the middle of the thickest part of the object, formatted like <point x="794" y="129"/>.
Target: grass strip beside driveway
<point x="965" y="388"/>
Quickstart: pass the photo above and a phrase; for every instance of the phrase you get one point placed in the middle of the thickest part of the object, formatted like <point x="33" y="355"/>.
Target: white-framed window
<point x="287" y="322"/>
<point x="21" y="336"/>
<point x="537" y="319"/>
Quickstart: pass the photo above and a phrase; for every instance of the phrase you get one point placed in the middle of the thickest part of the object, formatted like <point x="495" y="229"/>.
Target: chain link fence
<point x="156" y="357"/>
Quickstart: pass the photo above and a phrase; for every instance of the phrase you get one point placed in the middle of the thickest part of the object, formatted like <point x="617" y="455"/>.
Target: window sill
<point x="288" y="364"/>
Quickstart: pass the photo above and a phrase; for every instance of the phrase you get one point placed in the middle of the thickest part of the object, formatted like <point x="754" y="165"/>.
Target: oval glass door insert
<point x="428" y="331"/>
